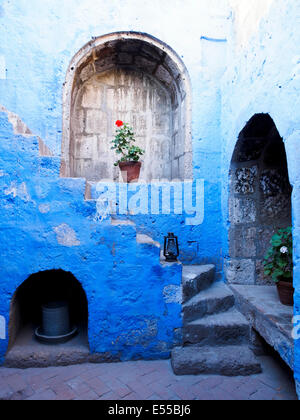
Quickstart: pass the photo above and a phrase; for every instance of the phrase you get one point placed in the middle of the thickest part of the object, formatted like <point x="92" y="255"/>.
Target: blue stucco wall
<point x="45" y="221"/>
<point x="46" y="224"/>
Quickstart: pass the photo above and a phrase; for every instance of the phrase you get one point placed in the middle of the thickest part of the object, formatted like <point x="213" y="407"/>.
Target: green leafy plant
<point x="123" y="144"/>
<point x="278" y="262"/>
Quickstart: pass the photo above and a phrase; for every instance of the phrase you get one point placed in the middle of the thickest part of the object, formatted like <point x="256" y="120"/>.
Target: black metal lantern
<point x="171" y="248"/>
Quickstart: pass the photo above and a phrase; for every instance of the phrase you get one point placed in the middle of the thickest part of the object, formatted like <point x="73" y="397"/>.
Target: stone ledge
<point x="146" y="240"/>
<point x="272" y="320"/>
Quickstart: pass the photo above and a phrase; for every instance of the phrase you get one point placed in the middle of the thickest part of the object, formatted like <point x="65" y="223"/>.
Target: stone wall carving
<point x="260" y="199"/>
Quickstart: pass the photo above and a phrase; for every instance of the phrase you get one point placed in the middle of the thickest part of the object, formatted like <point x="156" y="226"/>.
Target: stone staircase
<point x="216" y="337"/>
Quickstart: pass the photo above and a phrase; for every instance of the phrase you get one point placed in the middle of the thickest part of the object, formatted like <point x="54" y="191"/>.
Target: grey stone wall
<point x="135" y="98"/>
<point x="260" y="201"/>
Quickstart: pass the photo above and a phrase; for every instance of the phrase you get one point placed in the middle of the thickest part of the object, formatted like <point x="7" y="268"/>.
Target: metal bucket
<point x="56" y="319"/>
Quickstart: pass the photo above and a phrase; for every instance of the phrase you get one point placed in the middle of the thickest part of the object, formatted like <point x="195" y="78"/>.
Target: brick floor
<point x="143" y="381"/>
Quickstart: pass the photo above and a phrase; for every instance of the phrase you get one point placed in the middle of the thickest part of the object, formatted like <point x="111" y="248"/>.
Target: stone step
<point x="196" y="278"/>
<point x="218" y="298"/>
<point x="228" y="328"/>
<point x="146" y="240"/>
<point x="227" y="361"/>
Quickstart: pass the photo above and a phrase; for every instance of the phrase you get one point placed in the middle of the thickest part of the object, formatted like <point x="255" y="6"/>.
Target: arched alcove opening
<point x="260" y="199"/>
<point x="44" y="288"/>
<point x="137" y="79"/>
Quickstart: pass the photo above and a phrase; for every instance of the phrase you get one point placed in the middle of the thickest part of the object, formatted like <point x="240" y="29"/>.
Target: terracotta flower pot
<point x="286" y="293"/>
<point x="130" y="171"/>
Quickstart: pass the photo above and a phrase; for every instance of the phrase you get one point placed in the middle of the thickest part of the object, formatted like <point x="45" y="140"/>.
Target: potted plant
<point x="129" y="163"/>
<point x="279" y="264"/>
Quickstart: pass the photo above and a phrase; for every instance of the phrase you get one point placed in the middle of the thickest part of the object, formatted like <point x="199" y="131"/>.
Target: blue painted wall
<point x="46" y="222"/>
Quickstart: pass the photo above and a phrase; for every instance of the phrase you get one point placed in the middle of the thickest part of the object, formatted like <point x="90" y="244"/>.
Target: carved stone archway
<point x="140" y="80"/>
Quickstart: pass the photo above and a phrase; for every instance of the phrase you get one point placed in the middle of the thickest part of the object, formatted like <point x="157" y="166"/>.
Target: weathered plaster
<point x="247" y="18"/>
<point x="2" y="328"/>
<point x="66" y="236"/>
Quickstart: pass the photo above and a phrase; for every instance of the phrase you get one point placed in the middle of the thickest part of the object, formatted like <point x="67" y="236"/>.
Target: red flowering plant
<point x="119" y="123"/>
<point x="123" y="144"/>
<point x="278" y="261"/>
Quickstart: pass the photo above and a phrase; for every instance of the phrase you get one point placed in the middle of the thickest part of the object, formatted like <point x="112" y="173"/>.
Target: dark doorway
<point x="260" y="199"/>
<point x="25" y="316"/>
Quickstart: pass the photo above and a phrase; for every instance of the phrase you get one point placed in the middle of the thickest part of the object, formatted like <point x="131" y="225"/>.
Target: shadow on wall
<point x="260" y="199"/>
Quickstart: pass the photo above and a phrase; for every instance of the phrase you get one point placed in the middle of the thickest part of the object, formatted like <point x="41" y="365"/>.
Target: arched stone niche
<point x="26" y="307"/>
<point x="260" y="199"/>
<point x="137" y="79"/>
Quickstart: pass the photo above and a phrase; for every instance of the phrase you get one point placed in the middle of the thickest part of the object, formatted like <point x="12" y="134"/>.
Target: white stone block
<point x="87" y="147"/>
<point x="87" y="72"/>
<point x="104" y="146"/>
<point x="96" y="122"/>
<point x="2" y="328"/>
<point x="92" y="96"/>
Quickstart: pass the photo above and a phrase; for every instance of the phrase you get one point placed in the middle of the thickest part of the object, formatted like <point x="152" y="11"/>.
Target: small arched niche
<point x="137" y="79"/>
<point x="260" y="199"/>
<point x="26" y="315"/>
